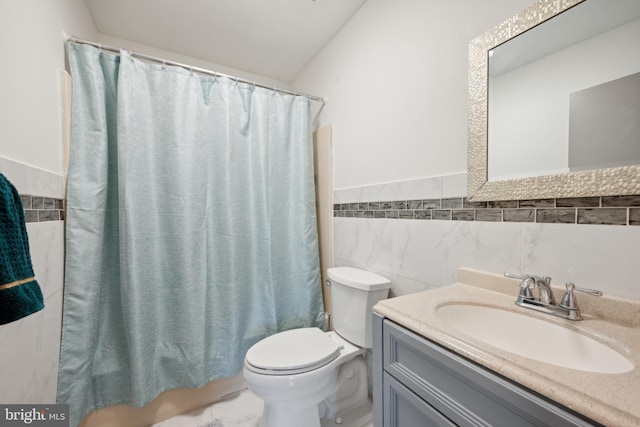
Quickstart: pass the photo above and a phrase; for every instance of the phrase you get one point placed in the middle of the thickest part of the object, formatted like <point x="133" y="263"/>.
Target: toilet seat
<point x="292" y="352"/>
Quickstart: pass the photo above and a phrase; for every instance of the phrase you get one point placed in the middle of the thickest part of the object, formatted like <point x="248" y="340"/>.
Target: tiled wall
<point x="614" y="210"/>
<point x="31" y="346"/>
<point x="555" y="237"/>
<point x="41" y="209"/>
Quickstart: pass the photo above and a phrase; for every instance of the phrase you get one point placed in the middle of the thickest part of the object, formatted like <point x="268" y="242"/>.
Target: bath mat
<point x="214" y="423"/>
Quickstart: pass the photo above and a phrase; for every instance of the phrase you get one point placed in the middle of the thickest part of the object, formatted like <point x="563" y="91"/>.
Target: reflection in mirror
<point x="554" y="103"/>
<point x="565" y="95"/>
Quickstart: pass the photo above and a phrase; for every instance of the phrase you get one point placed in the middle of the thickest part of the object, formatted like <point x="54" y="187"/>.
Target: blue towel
<point x="20" y="294"/>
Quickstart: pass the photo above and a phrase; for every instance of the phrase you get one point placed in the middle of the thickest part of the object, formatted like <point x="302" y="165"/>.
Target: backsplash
<point x="552" y="237"/>
<point x="610" y="210"/>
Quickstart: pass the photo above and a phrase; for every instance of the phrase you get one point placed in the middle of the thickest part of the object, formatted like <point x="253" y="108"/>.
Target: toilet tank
<point x="354" y="292"/>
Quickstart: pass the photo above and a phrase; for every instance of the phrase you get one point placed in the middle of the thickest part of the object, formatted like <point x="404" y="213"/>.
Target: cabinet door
<point x="402" y="408"/>
<point x="465" y="392"/>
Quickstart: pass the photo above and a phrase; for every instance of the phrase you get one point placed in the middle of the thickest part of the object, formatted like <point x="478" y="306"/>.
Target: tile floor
<point x="244" y="410"/>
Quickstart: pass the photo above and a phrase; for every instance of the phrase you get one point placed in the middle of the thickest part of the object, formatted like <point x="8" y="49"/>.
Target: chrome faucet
<point x="545" y="294"/>
<point x="546" y="303"/>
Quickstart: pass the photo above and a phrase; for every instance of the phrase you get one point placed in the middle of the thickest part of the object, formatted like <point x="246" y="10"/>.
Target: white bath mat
<point x="214" y="423"/>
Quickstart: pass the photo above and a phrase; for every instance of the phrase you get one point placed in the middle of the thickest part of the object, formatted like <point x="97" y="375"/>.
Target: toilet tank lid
<point x="359" y="279"/>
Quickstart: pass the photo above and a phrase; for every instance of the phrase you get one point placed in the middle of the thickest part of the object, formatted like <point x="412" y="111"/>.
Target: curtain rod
<point x="191" y="68"/>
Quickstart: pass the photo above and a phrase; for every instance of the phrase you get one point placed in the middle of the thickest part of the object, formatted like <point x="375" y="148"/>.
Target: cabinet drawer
<point x="464" y="392"/>
<point x="402" y="408"/>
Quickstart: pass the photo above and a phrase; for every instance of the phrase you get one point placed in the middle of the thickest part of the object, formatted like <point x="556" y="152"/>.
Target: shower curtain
<point x="191" y="228"/>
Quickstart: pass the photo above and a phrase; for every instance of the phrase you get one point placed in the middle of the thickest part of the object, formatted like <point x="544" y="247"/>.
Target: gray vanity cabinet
<point x="418" y="383"/>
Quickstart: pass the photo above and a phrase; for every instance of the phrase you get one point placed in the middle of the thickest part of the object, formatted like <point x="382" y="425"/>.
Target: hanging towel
<point x="20" y="294"/>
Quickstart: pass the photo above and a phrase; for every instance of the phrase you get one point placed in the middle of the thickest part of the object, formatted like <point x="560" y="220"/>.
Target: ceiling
<point x="272" y="38"/>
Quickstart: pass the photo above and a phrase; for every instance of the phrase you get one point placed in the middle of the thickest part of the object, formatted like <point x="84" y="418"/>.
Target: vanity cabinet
<point x="417" y="382"/>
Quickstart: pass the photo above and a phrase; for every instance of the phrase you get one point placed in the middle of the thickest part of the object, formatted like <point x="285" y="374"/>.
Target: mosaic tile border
<point x="605" y="210"/>
<point x="42" y="209"/>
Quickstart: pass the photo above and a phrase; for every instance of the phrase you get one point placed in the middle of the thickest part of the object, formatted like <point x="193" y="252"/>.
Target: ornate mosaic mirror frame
<point x="598" y="182"/>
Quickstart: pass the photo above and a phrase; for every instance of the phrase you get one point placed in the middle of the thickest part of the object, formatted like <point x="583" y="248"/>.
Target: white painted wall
<point x="31" y="41"/>
<point x="396" y="81"/>
<point x="31" y="157"/>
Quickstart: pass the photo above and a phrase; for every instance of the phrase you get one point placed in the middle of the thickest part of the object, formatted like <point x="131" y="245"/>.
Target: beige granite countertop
<point x="611" y="399"/>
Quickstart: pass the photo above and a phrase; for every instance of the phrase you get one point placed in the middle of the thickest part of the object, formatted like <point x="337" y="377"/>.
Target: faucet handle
<point x="526" y="285"/>
<point x="593" y="292"/>
<point x="526" y="288"/>
<point x="569" y="299"/>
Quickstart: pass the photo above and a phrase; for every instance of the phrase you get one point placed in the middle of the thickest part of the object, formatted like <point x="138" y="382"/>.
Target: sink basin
<point x="534" y="338"/>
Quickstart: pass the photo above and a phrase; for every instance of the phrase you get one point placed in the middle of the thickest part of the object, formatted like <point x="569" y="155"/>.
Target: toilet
<point x="300" y="373"/>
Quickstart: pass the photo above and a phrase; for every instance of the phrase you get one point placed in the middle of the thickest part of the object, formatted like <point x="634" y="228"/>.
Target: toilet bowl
<point x="297" y="370"/>
<point x="292" y="393"/>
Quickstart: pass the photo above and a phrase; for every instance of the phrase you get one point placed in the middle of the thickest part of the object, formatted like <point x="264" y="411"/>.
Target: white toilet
<point x="299" y="373"/>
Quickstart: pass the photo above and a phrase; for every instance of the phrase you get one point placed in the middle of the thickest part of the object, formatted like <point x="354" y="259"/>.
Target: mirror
<point x="554" y="103"/>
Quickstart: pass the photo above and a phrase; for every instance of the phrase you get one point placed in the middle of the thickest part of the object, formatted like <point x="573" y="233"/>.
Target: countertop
<point x="611" y="399"/>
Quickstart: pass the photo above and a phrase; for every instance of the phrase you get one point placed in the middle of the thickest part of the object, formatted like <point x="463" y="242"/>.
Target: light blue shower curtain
<point x="191" y="228"/>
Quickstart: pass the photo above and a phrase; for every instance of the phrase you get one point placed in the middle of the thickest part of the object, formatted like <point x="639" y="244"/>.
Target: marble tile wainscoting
<point x="31" y="346"/>
<point x="566" y="239"/>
